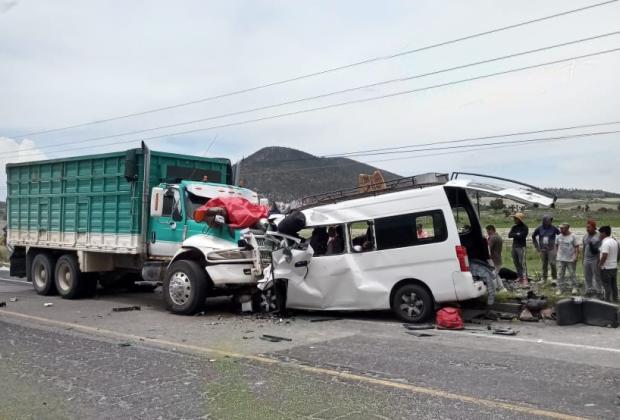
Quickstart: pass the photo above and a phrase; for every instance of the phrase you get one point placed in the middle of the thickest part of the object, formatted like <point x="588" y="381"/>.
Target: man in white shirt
<point x="567" y="251"/>
<point x="608" y="263"/>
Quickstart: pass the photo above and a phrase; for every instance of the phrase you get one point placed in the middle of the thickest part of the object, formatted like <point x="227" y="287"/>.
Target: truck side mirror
<point x="176" y="214"/>
<point x="157" y="202"/>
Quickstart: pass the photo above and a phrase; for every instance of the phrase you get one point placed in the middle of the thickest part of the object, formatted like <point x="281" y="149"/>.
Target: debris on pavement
<point x="2" y="304"/>
<point x="124" y="344"/>
<point x="419" y="334"/>
<point x="274" y="338"/>
<point x="416" y="327"/>
<point x="13" y="299"/>
<point x="126" y="308"/>
<point x="505" y="331"/>
<point x="326" y="318"/>
<point x="48" y="304"/>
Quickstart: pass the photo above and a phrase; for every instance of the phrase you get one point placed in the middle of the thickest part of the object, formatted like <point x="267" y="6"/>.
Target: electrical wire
<point x="321" y="72"/>
<point x="474" y="148"/>
<point x="350" y="102"/>
<point x="324" y="95"/>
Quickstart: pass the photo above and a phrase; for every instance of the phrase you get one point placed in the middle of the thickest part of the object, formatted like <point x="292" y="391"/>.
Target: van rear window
<point x="410" y="229"/>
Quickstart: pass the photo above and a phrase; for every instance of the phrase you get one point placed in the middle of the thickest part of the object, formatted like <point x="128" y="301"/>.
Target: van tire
<point x="68" y="278"/>
<point x="42" y="273"/>
<point x="412" y="303"/>
<point x="185" y="287"/>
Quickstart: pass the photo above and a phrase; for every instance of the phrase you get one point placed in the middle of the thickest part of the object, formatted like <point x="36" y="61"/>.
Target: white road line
<point x="531" y="340"/>
<point x="23" y="282"/>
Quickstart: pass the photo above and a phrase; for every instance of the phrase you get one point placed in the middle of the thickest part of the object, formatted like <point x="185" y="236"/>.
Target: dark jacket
<point x="519" y="234"/>
<point x="541" y="232"/>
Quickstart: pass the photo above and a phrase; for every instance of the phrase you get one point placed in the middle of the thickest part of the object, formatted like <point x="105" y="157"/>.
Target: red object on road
<point x="449" y="319"/>
<point x="240" y="212"/>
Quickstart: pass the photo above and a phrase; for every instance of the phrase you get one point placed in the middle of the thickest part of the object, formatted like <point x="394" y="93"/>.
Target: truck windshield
<point x="192" y="203"/>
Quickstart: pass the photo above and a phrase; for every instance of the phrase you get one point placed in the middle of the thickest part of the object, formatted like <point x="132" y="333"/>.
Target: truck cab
<point x="172" y="221"/>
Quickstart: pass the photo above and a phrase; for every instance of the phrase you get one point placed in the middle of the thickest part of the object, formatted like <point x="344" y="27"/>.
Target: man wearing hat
<point x="567" y="250"/>
<point x="543" y="239"/>
<point x="518" y="234"/>
<point x="608" y="264"/>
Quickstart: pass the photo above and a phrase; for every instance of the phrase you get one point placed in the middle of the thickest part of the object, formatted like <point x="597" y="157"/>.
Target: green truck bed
<point x="95" y="202"/>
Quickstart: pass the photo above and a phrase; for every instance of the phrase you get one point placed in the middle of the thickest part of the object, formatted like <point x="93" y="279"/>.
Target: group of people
<point x="559" y="250"/>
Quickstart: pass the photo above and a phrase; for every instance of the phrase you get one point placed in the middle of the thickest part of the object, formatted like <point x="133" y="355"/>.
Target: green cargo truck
<point x="123" y="217"/>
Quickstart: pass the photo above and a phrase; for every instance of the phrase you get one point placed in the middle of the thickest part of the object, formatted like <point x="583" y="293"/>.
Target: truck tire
<point x="42" y="273"/>
<point x="69" y="281"/>
<point x="185" y="287"/>
<point x="412" y="303"/>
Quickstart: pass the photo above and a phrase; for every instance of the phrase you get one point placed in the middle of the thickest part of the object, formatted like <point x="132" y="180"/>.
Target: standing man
<point x="496" y="245"/>
<point x="609" y="264"/>
<point x="591" y="251"/>
<point x="567" y="249"/>
<point x="544" y="242"/>
<point x="518" y="234"/>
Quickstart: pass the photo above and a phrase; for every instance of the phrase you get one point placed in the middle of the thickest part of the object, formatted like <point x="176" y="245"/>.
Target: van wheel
<point x="67" y="277"/>
<point x="42" y="273"/>
<point x="185" y="287"/>
<point x="266" y="301"/>
<point x="412" y="303"/>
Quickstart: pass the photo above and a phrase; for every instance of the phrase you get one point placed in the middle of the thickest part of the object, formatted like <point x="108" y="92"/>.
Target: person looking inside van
<point x="518" y="234"/>
<point x="318" y="240"/>
<point x="335" y="243"/>
<point x="422" y="234"/>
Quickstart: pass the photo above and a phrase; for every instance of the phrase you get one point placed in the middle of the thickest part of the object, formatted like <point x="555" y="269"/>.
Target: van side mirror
<point x="157" y="201"/>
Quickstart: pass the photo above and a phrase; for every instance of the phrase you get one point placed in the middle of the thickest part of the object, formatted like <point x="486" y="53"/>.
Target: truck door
<point x="167" y="230"/>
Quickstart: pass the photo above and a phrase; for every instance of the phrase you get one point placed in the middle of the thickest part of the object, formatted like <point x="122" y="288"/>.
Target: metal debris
<point x="326" y="318"/>
<point x="419" y="334"/>
<point x="126" y="308"/>
<point x="48" y="304"/>
<point x="13" y="299"/>
<point x="274" y="338"/>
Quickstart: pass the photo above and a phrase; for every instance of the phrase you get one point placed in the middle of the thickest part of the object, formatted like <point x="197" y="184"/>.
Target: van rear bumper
<point x="466" y="287"/>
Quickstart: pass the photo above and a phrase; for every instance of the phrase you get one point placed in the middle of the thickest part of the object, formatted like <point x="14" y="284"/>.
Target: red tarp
<point x="240" y="212"/>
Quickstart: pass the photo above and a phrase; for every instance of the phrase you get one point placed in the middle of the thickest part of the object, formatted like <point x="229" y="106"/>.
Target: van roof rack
<point x="398" y="184"/>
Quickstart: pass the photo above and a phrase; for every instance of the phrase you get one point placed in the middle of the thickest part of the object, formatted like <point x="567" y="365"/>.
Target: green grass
<point x="4" y="254"/>
<point x="575" y="218"/>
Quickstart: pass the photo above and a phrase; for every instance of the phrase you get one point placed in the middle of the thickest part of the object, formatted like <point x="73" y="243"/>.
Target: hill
<point x="285" y="174"/>
<point x="581" y="194"/>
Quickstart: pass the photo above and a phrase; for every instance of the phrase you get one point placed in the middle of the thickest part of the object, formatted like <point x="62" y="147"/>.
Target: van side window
<point x="362" y="236"/>
<point x="462" y="220"/>
<point x="327" y="240"/>
<point x="410" y="229"/>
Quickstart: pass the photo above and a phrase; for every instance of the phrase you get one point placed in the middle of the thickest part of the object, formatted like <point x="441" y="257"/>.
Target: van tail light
<point x="461" y="255"/>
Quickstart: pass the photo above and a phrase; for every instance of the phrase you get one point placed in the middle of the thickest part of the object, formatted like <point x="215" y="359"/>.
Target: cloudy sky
<point x="69" y="62"/>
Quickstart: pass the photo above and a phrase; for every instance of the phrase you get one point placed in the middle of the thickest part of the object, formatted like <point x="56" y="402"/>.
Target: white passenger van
<point x="405" y="249"/>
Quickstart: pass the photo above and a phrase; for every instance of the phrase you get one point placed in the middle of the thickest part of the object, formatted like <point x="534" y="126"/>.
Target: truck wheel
<point x="67" y="276"/>
<point x="42" y="272"/>
<point x="185" y="287"/>
<point x="412" y="303"/>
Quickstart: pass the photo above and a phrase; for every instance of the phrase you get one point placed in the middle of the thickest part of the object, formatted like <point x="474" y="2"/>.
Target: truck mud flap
<point x="18" y="263"/>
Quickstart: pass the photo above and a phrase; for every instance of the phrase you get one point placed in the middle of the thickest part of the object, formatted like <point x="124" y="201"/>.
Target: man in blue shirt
<point x="544" y="242"/>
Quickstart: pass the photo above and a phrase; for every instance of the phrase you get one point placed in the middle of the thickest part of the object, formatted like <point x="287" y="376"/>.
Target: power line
<point x="473" y="148"/>
<point x="351" y="102"/>
<point x="328" y="94"/>
<point x="322" y="72"/>
<point x="359" y="153"/>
